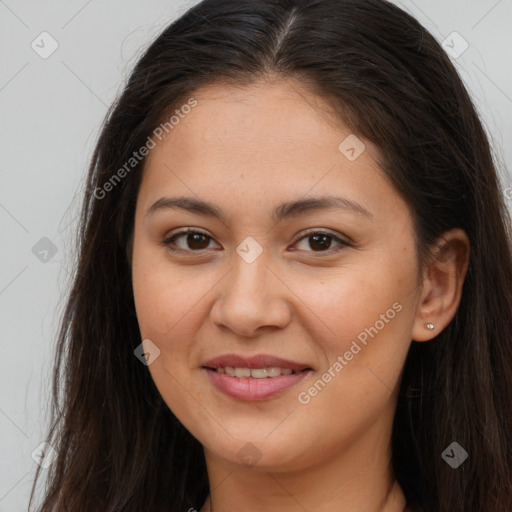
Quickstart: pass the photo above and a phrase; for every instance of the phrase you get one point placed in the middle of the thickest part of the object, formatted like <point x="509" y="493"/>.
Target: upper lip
<point x="255" y="361"/>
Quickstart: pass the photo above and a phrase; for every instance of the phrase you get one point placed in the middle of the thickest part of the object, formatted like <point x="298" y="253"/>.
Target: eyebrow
<point x="282" y="211"/>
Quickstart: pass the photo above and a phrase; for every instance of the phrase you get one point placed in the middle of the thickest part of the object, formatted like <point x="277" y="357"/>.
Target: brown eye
<point x="318" y="241"/>
<point x="194" y="241"/>
<point x="197" y="241"/>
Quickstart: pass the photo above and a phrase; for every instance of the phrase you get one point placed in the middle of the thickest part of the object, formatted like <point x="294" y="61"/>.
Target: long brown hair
<point x="119" y="446"/>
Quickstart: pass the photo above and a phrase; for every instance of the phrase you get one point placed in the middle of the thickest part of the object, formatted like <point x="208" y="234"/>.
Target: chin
<point x="276" y="452"/>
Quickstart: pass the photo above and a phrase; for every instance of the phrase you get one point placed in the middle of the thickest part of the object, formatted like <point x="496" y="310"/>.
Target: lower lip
<point x="253" y="389"/>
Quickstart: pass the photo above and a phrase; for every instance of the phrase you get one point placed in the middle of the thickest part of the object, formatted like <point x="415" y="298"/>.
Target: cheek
<point x="365" y="320"/>
<point x="169" y="304"/>
<point x="166" y="295"/>
<point x="371" y="299"/>
<point x="170" y="317"/>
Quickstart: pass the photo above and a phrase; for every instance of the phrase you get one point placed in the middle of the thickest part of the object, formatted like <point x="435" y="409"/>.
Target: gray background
<point x="51" y="110"/>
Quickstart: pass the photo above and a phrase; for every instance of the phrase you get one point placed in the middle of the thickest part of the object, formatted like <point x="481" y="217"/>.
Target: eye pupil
<point x="324" y="243"/>
<point x="196" y="238"/>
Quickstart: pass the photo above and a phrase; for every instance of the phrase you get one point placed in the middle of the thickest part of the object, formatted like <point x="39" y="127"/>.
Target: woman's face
<point x="331" y="287"/>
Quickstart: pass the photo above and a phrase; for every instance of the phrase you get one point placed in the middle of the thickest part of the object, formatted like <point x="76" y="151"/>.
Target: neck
<point x="394" y="501"/>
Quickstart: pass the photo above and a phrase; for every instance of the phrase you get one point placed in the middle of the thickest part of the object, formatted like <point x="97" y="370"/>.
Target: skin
<point x="248" y="150"/>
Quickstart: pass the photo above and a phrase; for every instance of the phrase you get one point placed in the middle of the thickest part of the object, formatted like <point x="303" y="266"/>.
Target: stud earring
<point x="430" y="326"/>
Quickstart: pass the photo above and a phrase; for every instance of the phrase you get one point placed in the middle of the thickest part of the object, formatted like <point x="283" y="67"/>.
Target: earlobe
<point x="442" y="285"/>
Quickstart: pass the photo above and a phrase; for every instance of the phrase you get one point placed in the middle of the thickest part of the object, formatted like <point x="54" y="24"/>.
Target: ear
<point x="442" y="282"/>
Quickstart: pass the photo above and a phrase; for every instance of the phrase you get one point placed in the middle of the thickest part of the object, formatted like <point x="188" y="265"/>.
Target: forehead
<point x="261" y="141"/>
<point x="274" y="114"/>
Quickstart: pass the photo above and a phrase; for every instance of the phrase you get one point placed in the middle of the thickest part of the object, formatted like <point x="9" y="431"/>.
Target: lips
<point x="253" y="362"/>
<point x="250" y="385"/>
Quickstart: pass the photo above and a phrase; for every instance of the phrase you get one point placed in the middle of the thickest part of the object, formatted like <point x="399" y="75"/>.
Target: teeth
<point x="255" y="373"/>
<point x="259" y="373"/>
<point x="242" y="372"/>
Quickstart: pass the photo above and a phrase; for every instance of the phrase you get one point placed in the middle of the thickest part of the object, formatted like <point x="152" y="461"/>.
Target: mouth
<point x="255" y="373"/>
<point x="264" y="365"/>
<point x="258" y="377"/>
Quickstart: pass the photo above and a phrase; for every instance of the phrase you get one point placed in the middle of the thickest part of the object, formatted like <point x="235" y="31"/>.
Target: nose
<point x="252" y="299"/>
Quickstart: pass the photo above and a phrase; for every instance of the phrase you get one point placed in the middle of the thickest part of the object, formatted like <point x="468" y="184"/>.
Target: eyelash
<point x="187" y="231"/>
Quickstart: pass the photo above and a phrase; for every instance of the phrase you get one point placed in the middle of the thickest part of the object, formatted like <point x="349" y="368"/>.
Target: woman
<point x="293" y="286"/>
